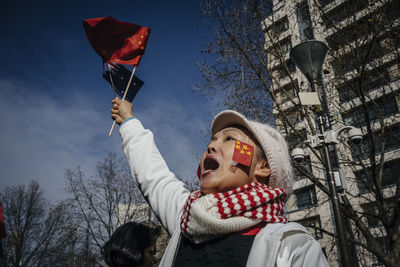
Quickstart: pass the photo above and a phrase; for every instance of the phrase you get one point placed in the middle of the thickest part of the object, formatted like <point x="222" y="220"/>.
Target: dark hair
<point x="127" y="244"/>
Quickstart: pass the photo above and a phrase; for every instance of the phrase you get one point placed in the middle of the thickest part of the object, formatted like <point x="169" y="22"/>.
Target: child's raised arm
<point x="160" y="187"/>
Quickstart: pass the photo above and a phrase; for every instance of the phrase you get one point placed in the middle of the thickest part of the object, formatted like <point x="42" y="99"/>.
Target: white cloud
<point x="42" y="136"/>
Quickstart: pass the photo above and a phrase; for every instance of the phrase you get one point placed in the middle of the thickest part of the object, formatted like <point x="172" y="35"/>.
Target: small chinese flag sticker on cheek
<point x="243" y="153"/>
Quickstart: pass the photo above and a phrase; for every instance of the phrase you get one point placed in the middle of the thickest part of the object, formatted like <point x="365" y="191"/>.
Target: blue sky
<point x="55" y="104"/>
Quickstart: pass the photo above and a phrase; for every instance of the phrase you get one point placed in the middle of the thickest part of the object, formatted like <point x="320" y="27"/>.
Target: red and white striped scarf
<point x="212" y="215"/>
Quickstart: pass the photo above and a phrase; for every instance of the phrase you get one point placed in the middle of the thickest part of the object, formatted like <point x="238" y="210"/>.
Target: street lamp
<point x="309" y="56"/>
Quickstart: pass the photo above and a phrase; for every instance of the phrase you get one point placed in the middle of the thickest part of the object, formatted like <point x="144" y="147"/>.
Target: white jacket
<point x="275" y="245"/>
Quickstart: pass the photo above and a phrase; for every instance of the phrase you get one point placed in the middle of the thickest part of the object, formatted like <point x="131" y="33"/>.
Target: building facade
<point x="360" y="87"/>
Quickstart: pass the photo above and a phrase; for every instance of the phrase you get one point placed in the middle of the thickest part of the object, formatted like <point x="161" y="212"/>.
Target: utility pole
<point x="309" y="56"/>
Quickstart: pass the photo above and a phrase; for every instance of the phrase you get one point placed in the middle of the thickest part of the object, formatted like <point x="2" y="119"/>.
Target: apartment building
<point x="360" y="56"/>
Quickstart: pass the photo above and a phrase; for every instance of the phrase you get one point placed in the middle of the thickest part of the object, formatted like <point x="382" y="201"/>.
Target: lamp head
<point x="309" y="57"/>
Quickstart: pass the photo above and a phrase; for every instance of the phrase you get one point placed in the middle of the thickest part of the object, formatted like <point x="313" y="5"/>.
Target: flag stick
<point x="112" y="84"/>
<point x="107" y="68"/>
<point x="123" y="97"/>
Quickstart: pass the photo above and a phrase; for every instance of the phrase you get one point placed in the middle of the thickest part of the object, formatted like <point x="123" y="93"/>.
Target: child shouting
<point x="237" y="216"/>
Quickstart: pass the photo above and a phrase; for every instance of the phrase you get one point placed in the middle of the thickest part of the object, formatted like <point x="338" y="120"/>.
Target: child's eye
<point x="229" y="138"/>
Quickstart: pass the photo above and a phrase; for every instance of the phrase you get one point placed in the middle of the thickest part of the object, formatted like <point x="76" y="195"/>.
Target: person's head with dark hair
<point x="132" y="244"/>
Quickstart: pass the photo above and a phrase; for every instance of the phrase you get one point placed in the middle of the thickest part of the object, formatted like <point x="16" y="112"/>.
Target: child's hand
<point x="121" y="110"/>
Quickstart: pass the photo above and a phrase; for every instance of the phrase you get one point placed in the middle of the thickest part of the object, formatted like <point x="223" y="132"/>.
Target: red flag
<point x="243" y="153"/>
<point x="116" y="41"/>
<point x="2" y="226"/>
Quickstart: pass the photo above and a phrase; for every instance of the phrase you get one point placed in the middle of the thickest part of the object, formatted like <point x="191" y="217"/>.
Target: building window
<point x="288" y="91"/>
<point x="313" y="225"/>
<point x="372" y="79"/>
<point x="306" y="197"/>
<point x="353" y="31"/>
<point x="285" y="69"/>
<point x="285" y="45"/>
<point x="304" y="21"/>
<point x="390" y="138"/>
<point x="361" y="55"/>
<point x="343" y="11"/>
<point x="371" y="211"/>
<point x="376" y="78"/>
<point x="324" y="3"/>
<point x="384" y="106"/>
<point x="347" y="91"/>
<point x="390" y="176"/>
<point x="280" y="26"/>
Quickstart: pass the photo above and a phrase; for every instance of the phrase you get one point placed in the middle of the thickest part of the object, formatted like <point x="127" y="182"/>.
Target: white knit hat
<point x="272" y="143"/>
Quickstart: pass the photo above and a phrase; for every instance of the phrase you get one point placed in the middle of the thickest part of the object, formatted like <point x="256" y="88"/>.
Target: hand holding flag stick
<point x="118" y="42"/>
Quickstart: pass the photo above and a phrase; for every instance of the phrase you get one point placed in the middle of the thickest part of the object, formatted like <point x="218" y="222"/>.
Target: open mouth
<point x="209" y="165"/>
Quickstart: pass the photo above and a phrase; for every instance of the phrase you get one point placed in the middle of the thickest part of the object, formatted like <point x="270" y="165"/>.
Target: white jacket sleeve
<point x="160" y="187"/>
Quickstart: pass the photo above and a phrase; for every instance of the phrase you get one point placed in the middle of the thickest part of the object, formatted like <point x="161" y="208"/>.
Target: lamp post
<point x="309" y="56"/>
